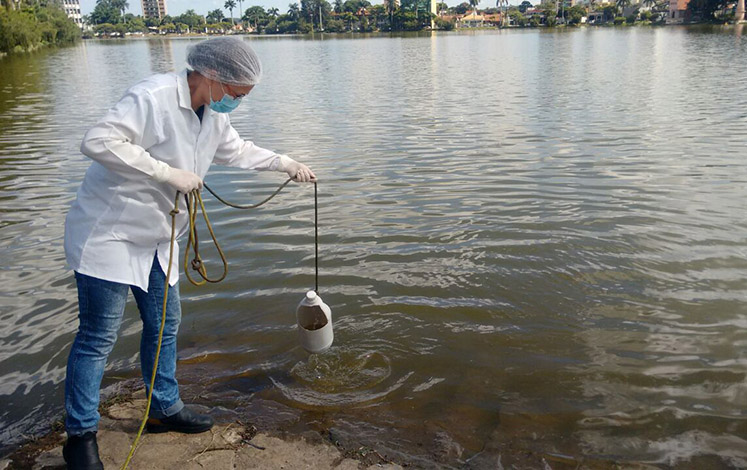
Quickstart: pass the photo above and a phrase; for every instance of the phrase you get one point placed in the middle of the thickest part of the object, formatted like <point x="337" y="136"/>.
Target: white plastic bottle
<point x="314" y="319"/>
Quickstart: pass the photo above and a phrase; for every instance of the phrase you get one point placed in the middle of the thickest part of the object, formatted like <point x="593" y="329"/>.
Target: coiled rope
<point x="194" y="202"/>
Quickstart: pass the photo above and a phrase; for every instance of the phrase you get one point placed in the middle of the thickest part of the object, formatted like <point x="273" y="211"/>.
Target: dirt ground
<point x="227" y="446"/>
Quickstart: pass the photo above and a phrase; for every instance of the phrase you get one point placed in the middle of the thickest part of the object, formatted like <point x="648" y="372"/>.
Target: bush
<point x="30" y="28"/>
<point x="646" y="15"/>
<point x="334" y="26"/>
<point x="445" y="25"/>
<point x="630" y="19"/>
<point x="619" y="20"/>
<point x="18" y="30"/>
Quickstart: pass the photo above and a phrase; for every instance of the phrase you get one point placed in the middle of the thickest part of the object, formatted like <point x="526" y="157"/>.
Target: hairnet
<point x="227" y="60"/>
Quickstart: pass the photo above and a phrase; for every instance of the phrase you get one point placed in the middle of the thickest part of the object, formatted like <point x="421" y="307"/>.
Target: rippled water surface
<point x="533" y="243"/>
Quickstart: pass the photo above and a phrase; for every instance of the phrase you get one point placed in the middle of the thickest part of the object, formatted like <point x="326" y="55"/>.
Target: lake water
<point x="533" y="243"/>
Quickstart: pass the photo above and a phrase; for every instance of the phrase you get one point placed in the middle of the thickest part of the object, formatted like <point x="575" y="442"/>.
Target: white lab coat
<point x="120" y="218"/>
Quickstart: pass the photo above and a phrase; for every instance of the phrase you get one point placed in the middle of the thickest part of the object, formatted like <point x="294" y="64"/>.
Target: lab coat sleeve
<point x="120" y="139"/>
<point x="237" y="152"/>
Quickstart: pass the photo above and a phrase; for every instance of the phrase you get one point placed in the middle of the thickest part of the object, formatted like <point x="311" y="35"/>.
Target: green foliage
<point x="462" y="8"/>
<point x="646" y="15"/>
<point x="445" y="25"/>
<point x="305" y="28"/>
<point x="706" y="9"/>
<point x="550" y="10"/>
<point x="137" y="25"/>
<point x="630" y="19"/>
<point x="215" y="16"/>
<point x="525" y="5"/>
<point x="574" y="14"/>
<point x="18" y="29"/>
<point x="106" y="11"/>
<point x="334" y="26"/>
<point x="190" y="19"/>
<point x="353" y="6"/>
<point x="519" y="18"/>
<point x="534" y="21"/>
<point x="619" y="20"/>
<point x="28" y="28"/>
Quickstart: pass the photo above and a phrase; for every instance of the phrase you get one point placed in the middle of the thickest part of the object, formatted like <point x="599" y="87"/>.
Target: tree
<point x="338" y="6"/>
<point x="294" y="12"/>
<point x="550" y="10"/>
<point x="123" y="5"/>
<point x="462" y="8"/>
<point x="504" y="14"/>
<point x="473" y="4"/>
<point x="215" y="16"/>
<point x="136" y="25"/>
<point x="390" y="6"/>
<point x="274" y="12"/>
<point x="191" y="19"/>
<point x="525" y="5"/>
<point x="705" y="9"/>
<point x="105" y="11"/>
<point x="255" y="14"/>
<point x="230" y="5"/>
<point x="739" y="16"/>
<point x="621" y="5"/>
<point x="574" y="14"/>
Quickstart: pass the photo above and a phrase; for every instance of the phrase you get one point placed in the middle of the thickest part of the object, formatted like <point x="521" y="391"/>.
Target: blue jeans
<point x="101" y="305"/>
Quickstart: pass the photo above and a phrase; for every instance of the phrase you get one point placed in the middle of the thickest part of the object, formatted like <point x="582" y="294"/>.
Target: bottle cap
<point x="311" y="295"/>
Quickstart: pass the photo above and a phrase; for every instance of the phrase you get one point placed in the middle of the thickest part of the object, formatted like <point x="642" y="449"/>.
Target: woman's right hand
<point x="183" y="181"/>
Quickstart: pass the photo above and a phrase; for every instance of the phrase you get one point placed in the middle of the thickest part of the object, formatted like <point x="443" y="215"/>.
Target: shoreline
<point x="230" y="444"/>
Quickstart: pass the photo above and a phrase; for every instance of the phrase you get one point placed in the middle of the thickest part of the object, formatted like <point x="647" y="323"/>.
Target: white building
<point x="72" y="10"/>
<point x="154" y="8"/>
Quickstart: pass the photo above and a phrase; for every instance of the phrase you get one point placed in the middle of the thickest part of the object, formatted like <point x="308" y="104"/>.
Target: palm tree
<point x="473" y="4"/>
<point x="241" y="13"/>
<point x="124" y="6"/>
<point x="230" y="4"/>
<point x="621" y="4"/>
<point x="390" y="7"/>
<point x="740" y="12"/>
<point x="294" y="11"/>
<point x="503" y="5"/>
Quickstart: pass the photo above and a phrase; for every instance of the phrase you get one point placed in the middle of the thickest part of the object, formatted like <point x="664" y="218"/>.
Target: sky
<point x="201" y="7"/>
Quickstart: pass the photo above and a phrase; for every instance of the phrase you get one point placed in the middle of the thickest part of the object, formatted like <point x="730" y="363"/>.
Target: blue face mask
<point x="226" y="104"/>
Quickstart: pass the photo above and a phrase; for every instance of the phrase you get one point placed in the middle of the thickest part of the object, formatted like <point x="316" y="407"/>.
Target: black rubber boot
<point x="185" y="421"/>
<point x="82" y="452"/>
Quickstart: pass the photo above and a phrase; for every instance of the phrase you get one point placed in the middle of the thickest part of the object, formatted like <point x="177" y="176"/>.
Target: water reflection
<point x="161" y="55"/>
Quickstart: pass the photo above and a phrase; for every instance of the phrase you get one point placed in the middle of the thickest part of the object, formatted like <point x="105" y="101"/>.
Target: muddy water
<point x="533" y="243"/>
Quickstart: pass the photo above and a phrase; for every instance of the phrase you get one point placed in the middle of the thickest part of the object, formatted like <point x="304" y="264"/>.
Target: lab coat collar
<point x="185" y="99"/>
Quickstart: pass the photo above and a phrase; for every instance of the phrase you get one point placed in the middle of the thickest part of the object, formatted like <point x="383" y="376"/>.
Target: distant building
<point x="678" y="11"/>
<point x="72" y="10"/>
<point x="154" y="8"/>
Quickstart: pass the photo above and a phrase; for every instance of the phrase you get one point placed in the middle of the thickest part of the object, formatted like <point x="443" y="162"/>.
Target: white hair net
<point x="227" y="60"/>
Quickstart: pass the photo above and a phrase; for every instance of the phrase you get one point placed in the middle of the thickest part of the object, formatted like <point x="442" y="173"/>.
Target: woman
<point x="160" y="138"/>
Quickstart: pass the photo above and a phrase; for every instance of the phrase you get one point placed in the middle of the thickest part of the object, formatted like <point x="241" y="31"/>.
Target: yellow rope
<point x="193" y="199"/>
<point x="160" y="334"/>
